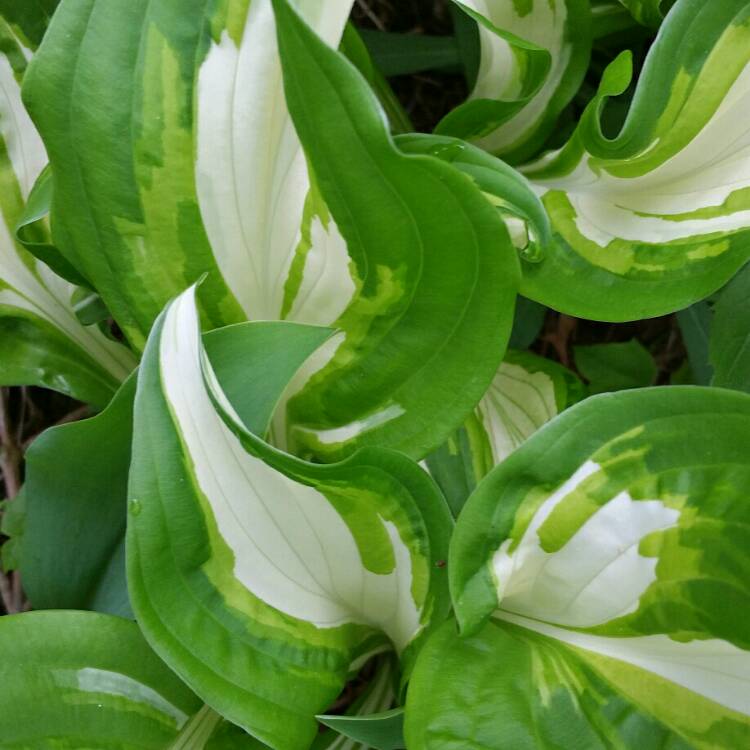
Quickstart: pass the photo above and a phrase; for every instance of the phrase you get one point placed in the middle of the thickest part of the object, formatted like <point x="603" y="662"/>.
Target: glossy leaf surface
<point x="428" y="328"/>
<point x="81" y="679"/>
<point x="655" y="218"/>
<point x="533" y="58"/>
<point x="258" y="577"/>
<point x="614" y="549"/>
<point x="41" y="340"/>
<point x="77" y="474"/>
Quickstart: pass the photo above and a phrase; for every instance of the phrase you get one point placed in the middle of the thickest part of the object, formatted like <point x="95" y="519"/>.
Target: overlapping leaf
<point x="534" y="55"/>
<point x="260" y="578"/>
<point x="426" y="332"/>
<point x="41" y="340"/>
<point x="610" y="553"/>
<point x="29" y="20"/>
<point x="369" y="723"/>
<point x="229" y="192"/>
<point x="655" y="218"/>
<point x="526" y="393"/>
<point x="74" y="536"/>
<point x="79" y="679"/>
<point x="647" y="12"/>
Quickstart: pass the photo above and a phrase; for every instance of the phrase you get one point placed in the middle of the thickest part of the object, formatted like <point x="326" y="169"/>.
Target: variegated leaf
<point x="257" y="577"/>
<point x="534" y="54"/>
<point x="526" y="393"/>
<point x="659" y="216"/>
<point x="611" y="551"/>
<point x="41" y="340"/>
<point x="112" y="92"/>
<point x="213" y="179"/>
<point x="426" y="331"/>
<point x="252" y="175"/>
<point x="521" y="690"/>
<point x="73" y="546"/>
<point x="78" y="679"/>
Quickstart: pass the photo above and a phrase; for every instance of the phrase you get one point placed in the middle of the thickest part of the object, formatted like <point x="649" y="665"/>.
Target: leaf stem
<point x="197" y="731"/>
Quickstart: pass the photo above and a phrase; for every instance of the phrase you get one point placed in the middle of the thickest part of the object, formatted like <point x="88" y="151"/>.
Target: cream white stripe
<point x="251" y="173"/>
<point x="714" y="669"/>
<point x="499" y="75"/>
<point x="291" y="548"/>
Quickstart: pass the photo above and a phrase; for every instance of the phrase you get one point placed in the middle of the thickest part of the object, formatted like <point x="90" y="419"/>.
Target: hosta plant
<point x="334" y="489"/>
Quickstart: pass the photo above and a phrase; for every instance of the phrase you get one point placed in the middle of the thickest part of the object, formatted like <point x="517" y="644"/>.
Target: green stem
<point x="198" y="730"/>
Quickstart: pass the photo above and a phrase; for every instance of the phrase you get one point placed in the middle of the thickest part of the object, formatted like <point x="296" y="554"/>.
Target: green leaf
<point x="12" y="525"/>
<point x="81" y="679"/>
<point x="405" y="54"/>
<point x="367" y="723"/>
<point x="89" y="307"/>
<point x="656" y="218"/>
<point x="695" y="325"/>
<point x="350" y="243"/>
<point x="615" y="367"/>
<point x="32" y="232"/>
<point x="505" y="188"/>
<point x="518" y="690"/>
<point x="353" y="47"/>
<point x="454" y="465"/>
<point x="74" y="548"/>
<point x="534" y="55"/>
<point x="41" y="340"/>
<point x="730" y="337"/>
<point x="526" y="393"/>
<point x="33" y="352"/>
<point x="257" y="577"/>
<point x="647" y="12"/>
<point x="466" y="31"/>
<point x="384" y="731"/>
<point x="616" y="539"/>
<point x="29" y="19"/>
<point x="527" y="323"/>
<point x="413" y="357"/>
<point x="73" y="553"/>
<point x="610" y="17"/>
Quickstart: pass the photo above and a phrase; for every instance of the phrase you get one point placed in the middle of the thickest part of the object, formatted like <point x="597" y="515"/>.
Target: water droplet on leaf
<point x="448" y="151"/>
<point x="135" y="507"/>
